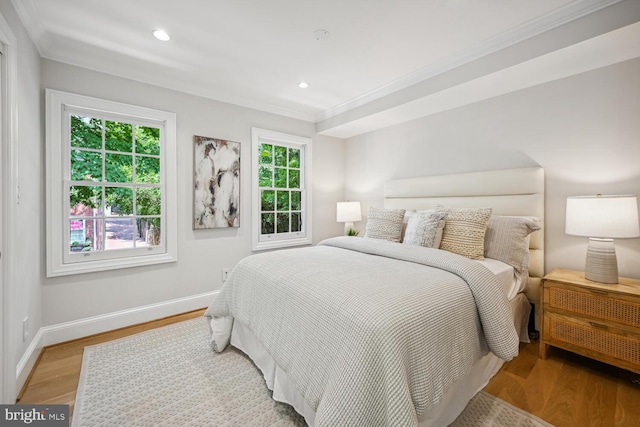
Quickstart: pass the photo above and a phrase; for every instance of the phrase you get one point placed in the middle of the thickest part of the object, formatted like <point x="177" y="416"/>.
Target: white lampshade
<point x="611" y="217"/>
<point x="602" y="219"/>
<point x="348" y="212"/>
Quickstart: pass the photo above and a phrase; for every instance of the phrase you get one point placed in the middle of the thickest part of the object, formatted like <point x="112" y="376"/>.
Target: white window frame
<point x="59" y="261"/>
<point x="274" y="241"/>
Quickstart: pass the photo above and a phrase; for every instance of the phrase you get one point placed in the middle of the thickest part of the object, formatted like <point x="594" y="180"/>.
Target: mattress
<point x="506" y="275"/>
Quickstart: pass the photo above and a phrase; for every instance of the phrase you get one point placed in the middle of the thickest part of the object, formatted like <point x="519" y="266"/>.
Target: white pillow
<point x="424" y="229"/>
<point x="408" y="214"/>
<point x="439" y="233"/>
<point x="507" y="239"/>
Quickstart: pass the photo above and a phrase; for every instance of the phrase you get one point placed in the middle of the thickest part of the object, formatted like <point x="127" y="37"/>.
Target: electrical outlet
<point x="25" y="329"/>
<point x="225" y="274"/>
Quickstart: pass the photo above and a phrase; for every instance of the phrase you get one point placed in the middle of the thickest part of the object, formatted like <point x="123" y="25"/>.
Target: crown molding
<point x="529" y="29"/>
<point x="28" y="13"/>
<point x="30" y="17"/>
<point x="189" y="89"/>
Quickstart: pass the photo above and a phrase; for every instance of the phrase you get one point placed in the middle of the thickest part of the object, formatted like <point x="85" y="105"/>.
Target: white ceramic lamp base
<point x="602" y="264"/>
<point x="347" y="226"/>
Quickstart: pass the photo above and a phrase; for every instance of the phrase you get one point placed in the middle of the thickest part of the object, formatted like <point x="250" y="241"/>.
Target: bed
<point x="366" y="331"/>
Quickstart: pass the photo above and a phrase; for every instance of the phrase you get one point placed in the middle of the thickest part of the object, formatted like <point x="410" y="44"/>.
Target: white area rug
<point x="171" y="377"/>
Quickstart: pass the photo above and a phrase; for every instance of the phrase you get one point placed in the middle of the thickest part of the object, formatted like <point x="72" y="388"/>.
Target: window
<point x="281" y="200"/>
<point x="111" y="192"/>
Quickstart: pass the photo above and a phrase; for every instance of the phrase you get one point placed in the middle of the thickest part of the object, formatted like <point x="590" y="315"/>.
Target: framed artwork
<point x="216" y="183"/>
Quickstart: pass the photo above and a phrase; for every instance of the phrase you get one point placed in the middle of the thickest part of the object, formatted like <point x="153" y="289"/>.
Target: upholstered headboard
<point x="517" y="192"/>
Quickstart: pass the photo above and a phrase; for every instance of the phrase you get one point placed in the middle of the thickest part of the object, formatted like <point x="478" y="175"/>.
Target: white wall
<point x="29" y="214"/>
<point x="202" y="253"/>
<point x="583" y="130"/>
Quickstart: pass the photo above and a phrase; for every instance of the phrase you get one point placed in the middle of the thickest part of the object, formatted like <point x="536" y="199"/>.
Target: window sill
<point x="277" y="244"/>
<point x="108" y="264"/>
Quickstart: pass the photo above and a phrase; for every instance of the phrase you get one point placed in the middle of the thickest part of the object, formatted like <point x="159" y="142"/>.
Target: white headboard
<point x="518" y="192"/>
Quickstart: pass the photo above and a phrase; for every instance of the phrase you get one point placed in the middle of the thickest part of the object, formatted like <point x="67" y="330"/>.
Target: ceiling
<point x="254" y="53"/>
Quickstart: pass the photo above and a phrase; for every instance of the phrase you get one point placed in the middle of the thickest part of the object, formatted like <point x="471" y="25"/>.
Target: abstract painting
<point x="216" y="183"/>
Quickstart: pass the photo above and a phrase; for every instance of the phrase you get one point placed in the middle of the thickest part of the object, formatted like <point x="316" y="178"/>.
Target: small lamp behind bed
<point x="348" y="212"/>
<point x="602" y="218"/>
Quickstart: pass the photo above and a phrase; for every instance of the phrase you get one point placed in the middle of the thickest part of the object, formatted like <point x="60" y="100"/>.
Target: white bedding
<point x="355" y="339"/>
<point x="451" y="404"/>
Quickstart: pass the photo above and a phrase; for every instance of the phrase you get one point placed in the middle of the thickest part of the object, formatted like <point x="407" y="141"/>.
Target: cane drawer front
<point x="596" y="340"/>
<point x="595" y="304"/>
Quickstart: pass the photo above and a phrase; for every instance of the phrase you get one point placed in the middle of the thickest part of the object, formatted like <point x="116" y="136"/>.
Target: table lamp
<point x="348" y="212"/>
<point x="602" y="219"/>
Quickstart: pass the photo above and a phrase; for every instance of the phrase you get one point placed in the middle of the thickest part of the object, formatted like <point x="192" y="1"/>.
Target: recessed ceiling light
<point x="303" y="85"/>
<point x="161" y="35"/>
<point x="321" y="34"/>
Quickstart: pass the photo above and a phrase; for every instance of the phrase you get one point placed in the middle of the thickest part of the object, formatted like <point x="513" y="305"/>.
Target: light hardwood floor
<point x="565" y="390"/>
<point x="569" y="390"/>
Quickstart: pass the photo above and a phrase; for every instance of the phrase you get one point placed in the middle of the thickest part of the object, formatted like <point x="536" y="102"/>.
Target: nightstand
<point x="597" y="320"/>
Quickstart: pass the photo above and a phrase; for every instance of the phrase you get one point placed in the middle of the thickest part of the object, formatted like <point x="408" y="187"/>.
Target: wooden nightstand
<point x="596" y="320"/>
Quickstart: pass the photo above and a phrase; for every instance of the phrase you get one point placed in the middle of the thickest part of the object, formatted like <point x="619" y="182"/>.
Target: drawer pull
<point x="598" y="291"/>
<point x="598" y="325"/>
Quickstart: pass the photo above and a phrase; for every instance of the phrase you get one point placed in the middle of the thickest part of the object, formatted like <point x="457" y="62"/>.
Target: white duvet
<point x="371" y="333"/>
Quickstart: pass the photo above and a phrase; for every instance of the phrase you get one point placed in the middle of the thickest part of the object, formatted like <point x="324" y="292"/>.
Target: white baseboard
<point x="27" y="361"/>
<point x="67" y="331"/>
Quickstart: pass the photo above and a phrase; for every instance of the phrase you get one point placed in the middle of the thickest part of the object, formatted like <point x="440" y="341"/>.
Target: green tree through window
<point x="115" y="196"/>
<point x="280" y="191"/>
<point x="281" y="183"/>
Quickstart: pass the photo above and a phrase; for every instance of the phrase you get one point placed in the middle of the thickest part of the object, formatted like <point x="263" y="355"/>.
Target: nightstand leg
<point x="543" y="350"/>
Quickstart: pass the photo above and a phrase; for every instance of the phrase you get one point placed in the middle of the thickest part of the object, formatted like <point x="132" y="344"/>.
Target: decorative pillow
<point x="464" y="231"/>
<point x="507" y="240"/>
<point x="407" y="215"/>
<point x="384" y="224"/>
<point x="422" y="228"/>
<point x="439" y="233"/>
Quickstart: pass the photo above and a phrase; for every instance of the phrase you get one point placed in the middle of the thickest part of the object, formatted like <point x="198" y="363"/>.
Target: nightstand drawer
<point x="594" y="303"/>
<point x="587" y="337"/>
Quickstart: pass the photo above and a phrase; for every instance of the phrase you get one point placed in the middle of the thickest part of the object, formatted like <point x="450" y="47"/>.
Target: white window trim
<point x="262" y="135"/>
<point x="56" y="101"/>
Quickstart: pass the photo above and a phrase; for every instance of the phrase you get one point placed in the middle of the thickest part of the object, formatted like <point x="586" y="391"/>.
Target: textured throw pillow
<point x="384" y="224"/>
<point x="507" y="240"/>
<point x="464" y="231"/>
<point x="407" y="215"/>
<point x="439" y="232"/>
<point x="422" y="228"/>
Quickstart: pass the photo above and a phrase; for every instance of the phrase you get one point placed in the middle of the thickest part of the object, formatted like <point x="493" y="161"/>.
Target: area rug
<point x="170" y="377"/>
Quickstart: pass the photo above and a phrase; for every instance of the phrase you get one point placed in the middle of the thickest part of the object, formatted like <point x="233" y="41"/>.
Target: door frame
<point x="8" y="200"/>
